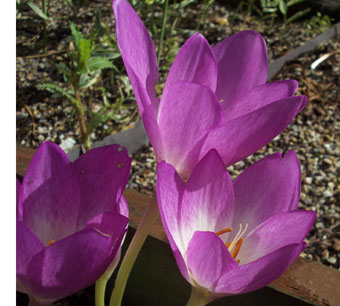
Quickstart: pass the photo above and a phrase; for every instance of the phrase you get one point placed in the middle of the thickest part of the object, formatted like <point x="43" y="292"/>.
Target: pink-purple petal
<point x="103" y="174"/>
<point x="276" y="232"/>
<point x="140" y="61"/>
<point x="242" y="64"/>
<point x="270" y="186"/>
<point x="27" y="246"/>
<point x="257" y="274"/>
<point x="258" y="97"/>
<point x="49" y="197"/>
<point x="123" y="207"/>
<point x="77" y="261"/>
<point x="207" y="259"/>
<point x="138" y="53"/>
<point x="195" y="62"/>
<point x="186" y="114"/>
<point x="169" y="191"/>
<point x="243" y="136"/>
<point x="207" y="203"/>
<point x="17" y="195"/>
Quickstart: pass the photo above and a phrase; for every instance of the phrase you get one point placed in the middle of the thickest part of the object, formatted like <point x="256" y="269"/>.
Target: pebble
<point x="331" y="260"/>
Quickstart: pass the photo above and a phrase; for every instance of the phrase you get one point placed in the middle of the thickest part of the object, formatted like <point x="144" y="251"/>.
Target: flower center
<point x="234" y="246"/>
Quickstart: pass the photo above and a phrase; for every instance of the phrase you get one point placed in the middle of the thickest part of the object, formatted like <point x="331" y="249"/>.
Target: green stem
<point x="165" y="12"/>
<point x="132" y="252"/>
<point x="100" y="291"/>
<point x="198" y="297"/>
<point x="85" y="139"/>
<point x="102" y="281"/>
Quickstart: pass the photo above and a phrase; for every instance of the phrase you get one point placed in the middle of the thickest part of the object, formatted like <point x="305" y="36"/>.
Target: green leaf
<point x="57" y="89"/>
<point x="269" y="10"/>
<point x="98" y="118"/>
<point x="106" y="53"/>
<point x="64" y="70"/>
<point x="84" y="54"/>
<point x="38" y="11"/>
<point x="283" y="7"/>
<point x="100" y="29"/>
<point x="77" y="36"/>
<point x="99" y="63"/>
<point x="294" y="2"/>
<point x="69" y="3"/>
<point x="298" y="15"/>
<point x="87" y="80"/>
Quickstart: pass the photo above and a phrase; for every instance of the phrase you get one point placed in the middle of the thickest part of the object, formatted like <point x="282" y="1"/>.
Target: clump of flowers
<point x="227" y="237"/>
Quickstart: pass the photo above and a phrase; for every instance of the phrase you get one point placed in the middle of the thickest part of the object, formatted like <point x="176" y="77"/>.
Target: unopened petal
<point x="103" y="174"/>
<point x="270" y="186"/>
<point x="242" y="63"/>
<point x="49" y="198"/>
<point x="195" y="62"/>
<point x="243" y="136"/>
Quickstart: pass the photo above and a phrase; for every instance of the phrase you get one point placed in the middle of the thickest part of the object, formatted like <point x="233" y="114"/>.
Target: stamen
<point x="235" y="245"/>
<point x="50" y="242"/>
<point x="237" y="248"/>
<point x="226" y="230"/>
<point x="238" y="236"/>
<point x="235" y="239"/>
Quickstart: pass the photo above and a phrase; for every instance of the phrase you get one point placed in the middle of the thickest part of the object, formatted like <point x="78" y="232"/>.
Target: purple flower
<point x="213" y="97"/>
<point x="71" y="219"/>
<point x="234" y="237"/>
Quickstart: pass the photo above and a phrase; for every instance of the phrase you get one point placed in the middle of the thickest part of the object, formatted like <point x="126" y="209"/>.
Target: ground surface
<point x="314" y="134"/>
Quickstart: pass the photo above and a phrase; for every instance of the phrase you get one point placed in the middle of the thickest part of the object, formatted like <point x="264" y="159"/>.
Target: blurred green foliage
<point x="319" y="23"/>
<point x="86" y="60"/>
<point x="274" y="9"/>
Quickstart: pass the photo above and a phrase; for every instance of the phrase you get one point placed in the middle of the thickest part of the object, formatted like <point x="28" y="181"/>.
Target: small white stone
<point x="309" y="180"/>
<point x="67" y="144"/>
<point x="327" y="193"/>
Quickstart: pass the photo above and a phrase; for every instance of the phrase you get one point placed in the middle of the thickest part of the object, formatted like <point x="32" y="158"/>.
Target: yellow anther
<point x="228" y="244"/>
<point x="237" y="248"/>
<point x="226" y="230"/>
<point x="50" y="242"/>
